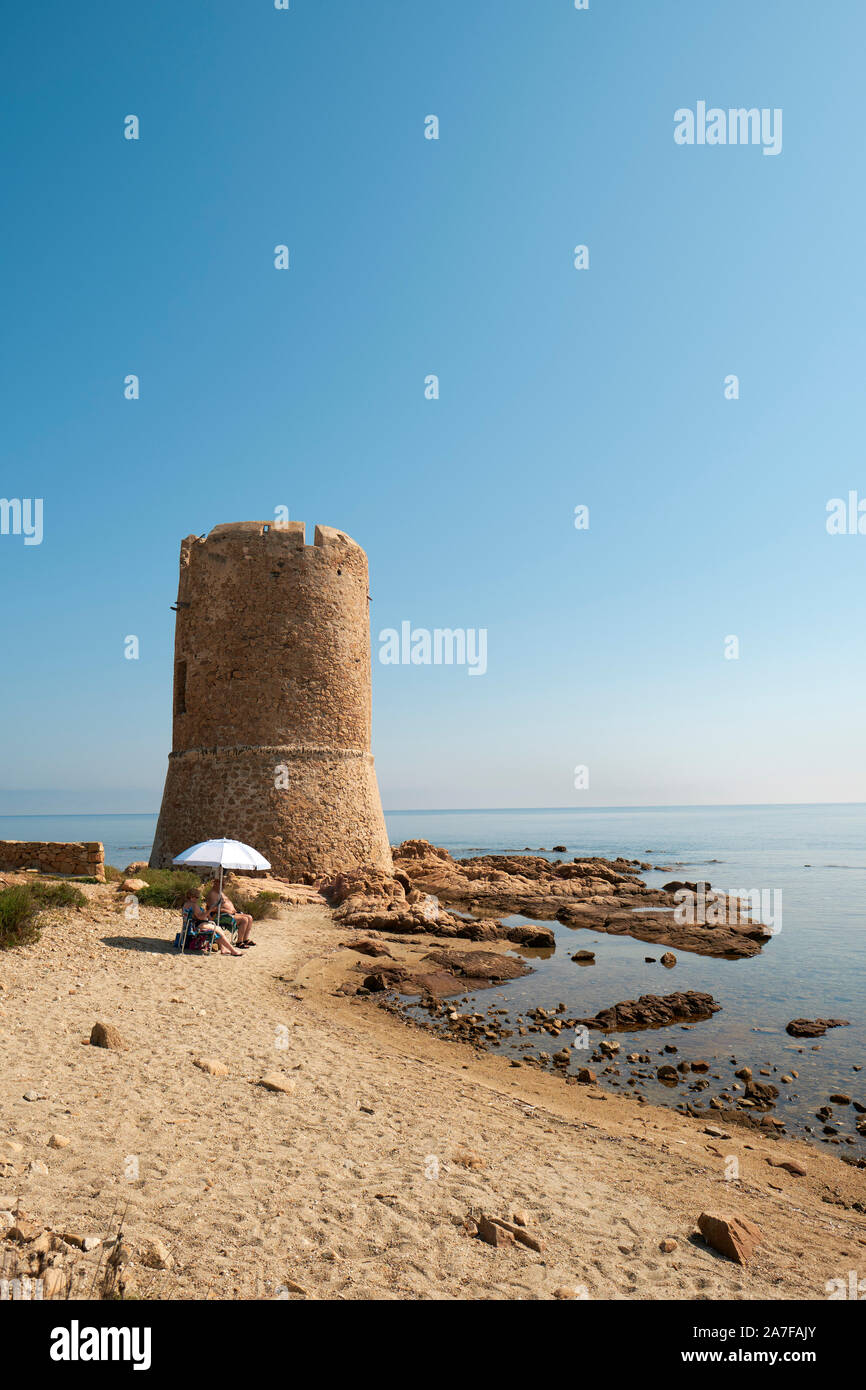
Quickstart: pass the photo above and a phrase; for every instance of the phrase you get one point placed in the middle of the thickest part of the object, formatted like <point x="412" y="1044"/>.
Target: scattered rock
<point x="489" y="1226"/>
<point x="211" y="1066"/>
<point x="667" y="1246"/>
<point x="468" y="1158"/>
<point x="669" y="960"/>
<point x="156" y="1255"/>
<point x="22" y="1230"/>
<point x="292" y="1287"/>
<point x="106" y="1035"/>
<point x="763" y="1091"/>
<point x="58" y="1141"/>
<point x="791" y="1165"/>
<point x="368" y="947"/>
<point x="274" y="1082"/>
<point x="78" y="1242"/>
<point x="733" y="1236"/>
<point x="492" y="1233"/>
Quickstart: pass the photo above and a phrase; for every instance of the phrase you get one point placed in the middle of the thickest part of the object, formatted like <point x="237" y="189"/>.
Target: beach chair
<point x="229" y="925"/>
<point x="198" y="937"/>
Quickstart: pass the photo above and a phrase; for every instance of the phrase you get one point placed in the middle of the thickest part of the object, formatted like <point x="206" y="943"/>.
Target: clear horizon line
<point x="485" y="810"/>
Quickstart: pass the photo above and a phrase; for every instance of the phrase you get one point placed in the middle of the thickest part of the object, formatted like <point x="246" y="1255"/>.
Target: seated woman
<point x="196" y="920"/>
<point x="216" y="905"/>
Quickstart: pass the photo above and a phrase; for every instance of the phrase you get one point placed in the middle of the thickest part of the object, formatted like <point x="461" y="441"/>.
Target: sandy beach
<point x="358" y="1180"/>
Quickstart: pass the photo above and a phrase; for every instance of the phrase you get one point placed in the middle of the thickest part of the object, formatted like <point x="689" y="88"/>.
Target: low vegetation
<point x="18" y="912"/>
<point x="21" y="905"/>
<point x="167" y="887"/>
<point x="56" y="894"/>
<point x="259" y="905"/>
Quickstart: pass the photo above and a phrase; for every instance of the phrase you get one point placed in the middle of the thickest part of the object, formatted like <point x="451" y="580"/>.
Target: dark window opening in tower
<point x="180" y="688"/>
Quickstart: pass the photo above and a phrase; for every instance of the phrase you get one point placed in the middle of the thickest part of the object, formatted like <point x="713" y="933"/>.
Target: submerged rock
<point x="814" y="1027"/>
<point x="653" y="1011"/>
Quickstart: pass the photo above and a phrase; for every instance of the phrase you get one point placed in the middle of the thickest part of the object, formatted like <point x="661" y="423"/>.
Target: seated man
<point x="216" y="905"/>
<point x="196" y="920"/>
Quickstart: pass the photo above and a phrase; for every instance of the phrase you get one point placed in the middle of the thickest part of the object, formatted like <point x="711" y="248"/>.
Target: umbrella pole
<point x="220" y="898"/>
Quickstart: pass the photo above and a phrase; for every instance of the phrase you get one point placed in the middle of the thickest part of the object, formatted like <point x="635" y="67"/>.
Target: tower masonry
<point x="272" y="702"/>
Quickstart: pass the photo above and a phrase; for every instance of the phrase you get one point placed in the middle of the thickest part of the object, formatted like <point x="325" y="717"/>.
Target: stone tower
<point x="272" y="702"/>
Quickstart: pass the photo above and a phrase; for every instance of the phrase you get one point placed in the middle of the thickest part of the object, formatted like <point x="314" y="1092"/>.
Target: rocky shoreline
<point x="599" y="894"/>
<point x="368" y="1157"/>
<point x="441" y="910"/>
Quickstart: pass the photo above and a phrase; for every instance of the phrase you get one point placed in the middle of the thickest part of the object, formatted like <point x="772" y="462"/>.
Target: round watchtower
<point x="272" y="702"/>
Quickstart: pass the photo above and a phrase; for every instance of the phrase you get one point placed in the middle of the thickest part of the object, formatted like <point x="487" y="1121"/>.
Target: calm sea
<point x="814" y="856"/>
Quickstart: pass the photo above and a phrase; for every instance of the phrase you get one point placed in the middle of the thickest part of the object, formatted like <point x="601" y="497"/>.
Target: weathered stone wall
<point x="83" y="857"/>
<point x="271" y="740"/>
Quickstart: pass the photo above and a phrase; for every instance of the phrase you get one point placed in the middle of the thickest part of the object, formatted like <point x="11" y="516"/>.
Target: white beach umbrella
<point x="221" y="854"/>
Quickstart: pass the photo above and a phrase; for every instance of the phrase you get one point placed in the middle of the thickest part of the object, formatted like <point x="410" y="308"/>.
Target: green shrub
<point x="20" y="907"/>
<point x="56" y="894"/>
<point x="167" y="887"/>
<point x="18" y="912"/>
<point x="259" y="906"/>
<point x="113" y="874"/>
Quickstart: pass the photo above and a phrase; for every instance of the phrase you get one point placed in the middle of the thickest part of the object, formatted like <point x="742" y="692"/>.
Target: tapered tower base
<point x="272" y="702"/>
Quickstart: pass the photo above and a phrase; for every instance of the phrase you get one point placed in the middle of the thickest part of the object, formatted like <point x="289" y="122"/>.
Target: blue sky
<point x="558" y="387"/>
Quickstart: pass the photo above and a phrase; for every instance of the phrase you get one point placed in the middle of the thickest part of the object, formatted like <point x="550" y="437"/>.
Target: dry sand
<point x="351" y="1186"/>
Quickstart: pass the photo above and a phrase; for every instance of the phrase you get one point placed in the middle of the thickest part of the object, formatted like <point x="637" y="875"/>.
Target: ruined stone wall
<point x="271" y="740"/>
<point x="85" y="858"/>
